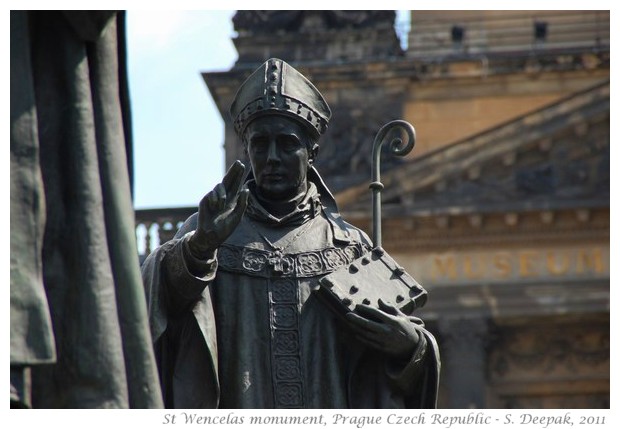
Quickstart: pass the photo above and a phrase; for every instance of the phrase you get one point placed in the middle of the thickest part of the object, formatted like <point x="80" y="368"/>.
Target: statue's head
<point x="280" y="116"/>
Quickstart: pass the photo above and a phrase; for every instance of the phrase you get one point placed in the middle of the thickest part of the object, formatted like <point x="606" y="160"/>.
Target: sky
<point x="177" y="130"/>
<point x="178" y="133"/>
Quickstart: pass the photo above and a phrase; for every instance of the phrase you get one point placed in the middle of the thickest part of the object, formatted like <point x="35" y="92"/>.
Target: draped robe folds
<point x="79" y="336"/>
<point x="252" y="334"/>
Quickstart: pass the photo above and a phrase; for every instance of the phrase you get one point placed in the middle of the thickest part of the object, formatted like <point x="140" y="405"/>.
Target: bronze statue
<point x="235" y="302"/>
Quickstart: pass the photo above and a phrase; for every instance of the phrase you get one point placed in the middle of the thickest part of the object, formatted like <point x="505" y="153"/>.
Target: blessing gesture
<point x="220" y="212"/>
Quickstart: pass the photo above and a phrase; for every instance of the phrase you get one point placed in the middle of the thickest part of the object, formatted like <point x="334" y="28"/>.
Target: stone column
<point x="463" y="355"/>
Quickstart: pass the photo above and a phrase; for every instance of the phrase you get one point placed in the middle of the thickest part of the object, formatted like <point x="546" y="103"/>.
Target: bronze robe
<point x="252" y="334"/>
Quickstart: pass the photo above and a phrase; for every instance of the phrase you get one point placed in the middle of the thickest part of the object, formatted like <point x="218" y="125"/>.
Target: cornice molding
<point x="416" y="233"/>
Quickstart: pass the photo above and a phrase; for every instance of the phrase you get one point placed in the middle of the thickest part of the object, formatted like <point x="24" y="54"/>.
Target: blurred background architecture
<point x="502" y="209"/>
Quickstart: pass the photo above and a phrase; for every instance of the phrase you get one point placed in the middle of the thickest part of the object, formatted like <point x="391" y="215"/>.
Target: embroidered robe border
<point x="270" y="264"/>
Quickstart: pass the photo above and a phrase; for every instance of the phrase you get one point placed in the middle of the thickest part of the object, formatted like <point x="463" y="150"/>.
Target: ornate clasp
<point x="280" y="263"/>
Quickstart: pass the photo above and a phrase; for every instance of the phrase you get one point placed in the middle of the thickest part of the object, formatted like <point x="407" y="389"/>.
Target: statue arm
<point x="174" y="281"/>
<point x="186" y="275"/>
<point x="180" y="313"/>
<point x="406" y="374"/>
<point x="189" y="264"/>
<point x="411" y="353"/>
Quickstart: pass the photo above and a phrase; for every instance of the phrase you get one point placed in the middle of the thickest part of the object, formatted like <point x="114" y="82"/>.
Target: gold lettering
<point x="444" y="267"/>
<point x="590" y="261"/>
<point x="526" y="263"/>
<point x="503" y="265"/>
<point x="469" y="270"/>
<point x="552" y="266"/>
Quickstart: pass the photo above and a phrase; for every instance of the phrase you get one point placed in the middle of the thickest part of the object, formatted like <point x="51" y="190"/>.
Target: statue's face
<point x="278" y="150"/>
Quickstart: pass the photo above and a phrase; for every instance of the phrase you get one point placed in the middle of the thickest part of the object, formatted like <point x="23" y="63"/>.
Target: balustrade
<point x="156" y="226"/>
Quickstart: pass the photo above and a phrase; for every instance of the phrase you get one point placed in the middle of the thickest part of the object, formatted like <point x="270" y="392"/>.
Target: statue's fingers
<point x="373" y="313"/>
<point x="209" y="202"/>
<point x="376" y="339"/>
<point x="364" y="326"/>
<point x="416" y="321"/>
<point x="239" y="205"/>
<point x="219" y="199"/>
<point x="234" y="178"/>
<point x="390" y="309"/>
<point x="204" y="203"/>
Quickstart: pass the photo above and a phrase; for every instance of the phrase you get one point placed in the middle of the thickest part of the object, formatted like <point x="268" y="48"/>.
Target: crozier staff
<point x="233" y="315"/>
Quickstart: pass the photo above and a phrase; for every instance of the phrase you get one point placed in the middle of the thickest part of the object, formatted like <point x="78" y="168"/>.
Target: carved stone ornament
<point x="265" y="21"/>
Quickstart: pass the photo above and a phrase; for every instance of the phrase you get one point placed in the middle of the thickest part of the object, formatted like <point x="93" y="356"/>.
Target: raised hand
<point x="386" y="329"/>
<point x="220" y="212"/>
